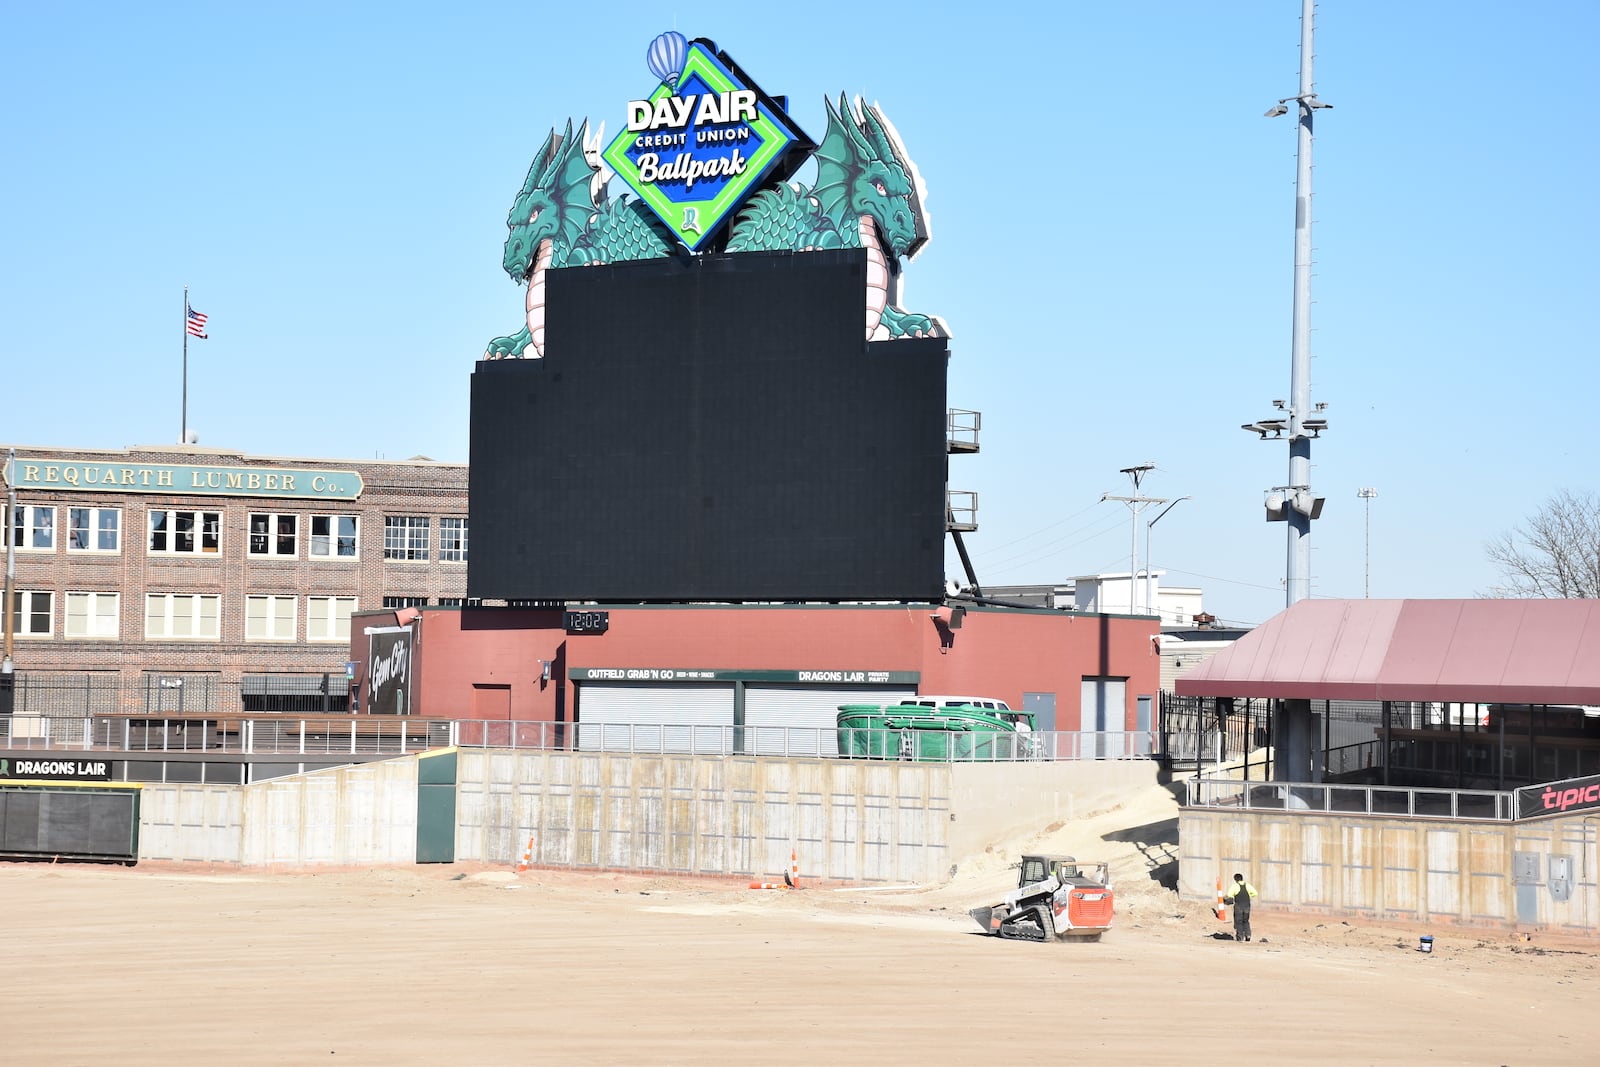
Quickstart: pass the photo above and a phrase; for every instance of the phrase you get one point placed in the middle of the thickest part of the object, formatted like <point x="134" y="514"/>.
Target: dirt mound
<point x="1138" y="837"/>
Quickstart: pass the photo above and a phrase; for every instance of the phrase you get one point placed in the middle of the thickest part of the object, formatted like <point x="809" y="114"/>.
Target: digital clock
<point x="587" y="622"/>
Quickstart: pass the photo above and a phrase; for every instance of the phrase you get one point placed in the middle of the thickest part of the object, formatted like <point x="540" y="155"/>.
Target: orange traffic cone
<point x="768" y="885"/>
<point x="791" y="877"/>
<point x="1222" y="908"/>
<point x="527" y="858"/>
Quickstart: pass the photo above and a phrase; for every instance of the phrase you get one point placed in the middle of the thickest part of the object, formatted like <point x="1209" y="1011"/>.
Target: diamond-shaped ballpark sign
<point x="705" y="140"/>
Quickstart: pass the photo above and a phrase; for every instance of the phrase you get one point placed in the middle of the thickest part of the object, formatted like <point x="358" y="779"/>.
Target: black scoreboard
<point x="710" y="428"/>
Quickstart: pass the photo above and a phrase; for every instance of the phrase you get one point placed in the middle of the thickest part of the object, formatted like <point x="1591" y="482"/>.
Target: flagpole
<point x="183" y="434"/>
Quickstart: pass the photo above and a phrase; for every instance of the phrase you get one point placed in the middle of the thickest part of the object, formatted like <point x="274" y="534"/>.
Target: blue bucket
<point x="1427" y="943"/>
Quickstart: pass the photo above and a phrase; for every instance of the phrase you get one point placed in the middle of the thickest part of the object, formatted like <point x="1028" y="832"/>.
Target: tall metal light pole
<point x="1366" y="493"/>
<point x="1149" y="576"/>
<point x="1298" y="506"/>
<point x="1135" y="503"/>
<point x="8" y="678"/>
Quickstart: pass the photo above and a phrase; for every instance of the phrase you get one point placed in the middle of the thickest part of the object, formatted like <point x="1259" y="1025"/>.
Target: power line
<point x="1064" y="542"/>
<point x="1036" y="533"/>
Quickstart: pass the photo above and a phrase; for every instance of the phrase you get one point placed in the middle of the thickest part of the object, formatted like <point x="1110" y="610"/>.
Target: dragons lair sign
<point x="707" y="158"/>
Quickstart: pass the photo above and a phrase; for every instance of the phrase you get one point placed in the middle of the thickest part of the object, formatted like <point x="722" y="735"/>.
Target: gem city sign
<point x="707" y="157"/>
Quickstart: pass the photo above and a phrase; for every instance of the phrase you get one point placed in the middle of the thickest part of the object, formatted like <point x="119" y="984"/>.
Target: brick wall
<point x="411" y="487"/>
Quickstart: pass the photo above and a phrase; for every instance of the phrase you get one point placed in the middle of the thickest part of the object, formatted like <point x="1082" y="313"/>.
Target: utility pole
<point x="1366" y="493"/>
<point x="1135" y="504"/>
<point x="1149" y="566"/>
<point x="1294" y="502"/>
<point x="8" y="678"/>
<point x="1299" y="748"/>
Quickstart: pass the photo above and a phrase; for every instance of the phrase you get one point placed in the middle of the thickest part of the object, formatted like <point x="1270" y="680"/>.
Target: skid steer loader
<point x="1057" y="898"/>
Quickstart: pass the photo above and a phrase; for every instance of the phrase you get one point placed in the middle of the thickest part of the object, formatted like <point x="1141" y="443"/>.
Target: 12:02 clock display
<point x="587" y="622"/>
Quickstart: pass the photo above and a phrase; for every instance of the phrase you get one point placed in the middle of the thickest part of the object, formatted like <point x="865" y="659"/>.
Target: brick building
<point x="189" y="580"/>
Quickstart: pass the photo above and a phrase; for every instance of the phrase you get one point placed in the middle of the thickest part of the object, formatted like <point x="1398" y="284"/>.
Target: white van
<point x="1023" y="723"/>
<point x="986" y="703"/>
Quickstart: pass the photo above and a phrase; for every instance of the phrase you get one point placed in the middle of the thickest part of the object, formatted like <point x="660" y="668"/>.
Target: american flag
<point x="196" y="324"/>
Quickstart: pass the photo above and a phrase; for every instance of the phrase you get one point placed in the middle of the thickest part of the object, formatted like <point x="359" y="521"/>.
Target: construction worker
<point x="1239" y="895"/>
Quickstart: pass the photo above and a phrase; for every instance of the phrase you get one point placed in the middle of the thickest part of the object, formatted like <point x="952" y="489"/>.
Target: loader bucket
<point x="987" y="919"/>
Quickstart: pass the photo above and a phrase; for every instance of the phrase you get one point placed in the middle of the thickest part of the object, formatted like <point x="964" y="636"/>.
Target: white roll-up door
<point x="797" y="720"/>
<point x="1104" y="717"/>
<point x="641" y="717"/>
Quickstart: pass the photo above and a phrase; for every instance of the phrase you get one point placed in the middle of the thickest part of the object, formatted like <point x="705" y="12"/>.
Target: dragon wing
<point x="537" y="171"/>
<point x="840" y="157"/>
<point x="570" y="183"/>
<point x="562" y="171"/>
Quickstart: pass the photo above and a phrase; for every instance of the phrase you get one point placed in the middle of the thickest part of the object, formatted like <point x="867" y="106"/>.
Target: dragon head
<point x="556" y="202"/>
<point x="863" y="169"/>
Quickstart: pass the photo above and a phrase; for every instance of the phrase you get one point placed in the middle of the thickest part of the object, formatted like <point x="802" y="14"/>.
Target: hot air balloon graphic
<point x="666" y="56"/>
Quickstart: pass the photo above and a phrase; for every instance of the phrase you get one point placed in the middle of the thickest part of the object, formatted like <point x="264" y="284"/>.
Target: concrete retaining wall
<point x="346" y="815"/>
<point x="1423" y="870"/>
<point x="848" y="820"/>
<point x="731" y="815"/>
<point x="998" y="801"/>
<point x="191" y="823"/>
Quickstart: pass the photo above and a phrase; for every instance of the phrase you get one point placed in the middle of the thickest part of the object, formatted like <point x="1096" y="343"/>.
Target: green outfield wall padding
<point x="436" y="806"/>
<point x="79" y="823"/>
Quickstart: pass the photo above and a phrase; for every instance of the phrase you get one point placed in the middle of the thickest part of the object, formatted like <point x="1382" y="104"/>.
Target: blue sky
<point x="1112" y="246"/>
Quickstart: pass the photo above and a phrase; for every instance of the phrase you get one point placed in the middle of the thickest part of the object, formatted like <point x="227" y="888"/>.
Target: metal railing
<point x="961" y="428"/>
<point x="180" y="695"/>
<point x="961" y="509"/>
<point x="1351" y="799"/>
<point x="357" y="735"/>
<point x="1353" y="759"/>
<point x="383" y="734"/>
<point x="809" y="742"/>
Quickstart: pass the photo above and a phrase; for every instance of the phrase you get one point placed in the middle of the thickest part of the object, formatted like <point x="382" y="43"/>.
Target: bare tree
<point x="1555" y="553"/>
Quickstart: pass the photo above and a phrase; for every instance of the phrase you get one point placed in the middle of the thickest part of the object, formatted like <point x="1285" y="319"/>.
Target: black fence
<point x="180" y="695"/>
<point x="1189" y="730"/>
<point x="1351" y="732"/>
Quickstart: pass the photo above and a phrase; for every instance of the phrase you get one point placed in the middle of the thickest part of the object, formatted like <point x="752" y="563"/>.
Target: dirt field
<point x="446" y="965"/>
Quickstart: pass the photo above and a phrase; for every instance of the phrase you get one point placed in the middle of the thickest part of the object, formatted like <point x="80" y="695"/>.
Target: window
<point x="94" y="530"/>
<point x="405" y="537"/>
<point x="32" y="614"/>
<point x="92" y="614"/>
<point x="280" y="693"/>
<point x="453" y="540"/>
<point x="181" y="616"/>
<point x="269" y="618"/>
<point x="460" y="602"/>
<point x="274" y="535"/>
<point x="34" y="527"/>
<point x="328" y="617"/>
<point x="185" y="531"/>
<point x="333" y="537"/>
<point x="405" y="602"/>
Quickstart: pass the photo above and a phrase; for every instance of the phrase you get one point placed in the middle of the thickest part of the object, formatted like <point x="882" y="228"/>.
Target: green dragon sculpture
<point x="867" y="195"/>
<point x="561" y="219"/>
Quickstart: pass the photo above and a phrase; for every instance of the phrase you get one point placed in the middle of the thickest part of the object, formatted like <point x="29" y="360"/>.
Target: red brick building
<point x="158" y="574"/>
<point x="773" y="667"/>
